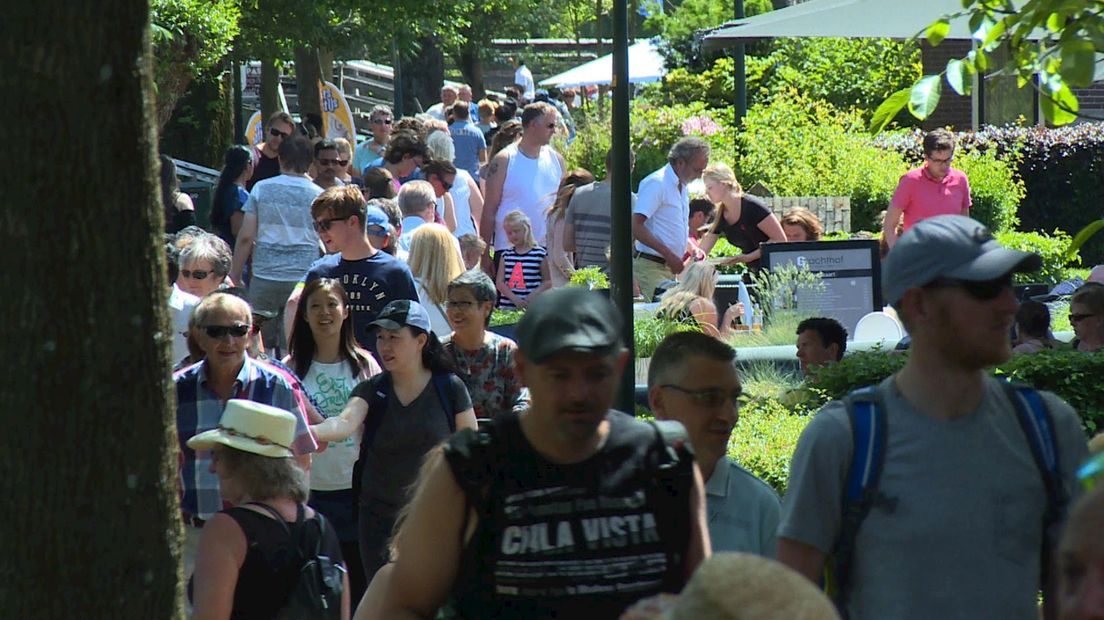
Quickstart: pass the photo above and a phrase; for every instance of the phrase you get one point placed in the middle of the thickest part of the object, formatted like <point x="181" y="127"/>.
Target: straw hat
<point x="250" y="427"/>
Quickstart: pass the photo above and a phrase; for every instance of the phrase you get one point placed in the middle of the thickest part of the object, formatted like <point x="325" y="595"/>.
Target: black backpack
<point x="316" y="593"/>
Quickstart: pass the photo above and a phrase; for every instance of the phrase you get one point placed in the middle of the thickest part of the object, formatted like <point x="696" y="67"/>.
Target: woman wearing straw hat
<point x="248" y="560"/>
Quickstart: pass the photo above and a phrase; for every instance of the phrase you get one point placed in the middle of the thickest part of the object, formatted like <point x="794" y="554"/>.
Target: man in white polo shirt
<point x="661" y="215"/>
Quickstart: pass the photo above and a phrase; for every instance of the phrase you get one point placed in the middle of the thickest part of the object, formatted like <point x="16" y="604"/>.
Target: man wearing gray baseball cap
<point x="966" y="477"/>
<point x="567" y="510"/>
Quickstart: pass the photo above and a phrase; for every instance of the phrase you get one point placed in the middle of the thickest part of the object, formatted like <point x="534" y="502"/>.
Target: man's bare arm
<point x="805" y="559"/>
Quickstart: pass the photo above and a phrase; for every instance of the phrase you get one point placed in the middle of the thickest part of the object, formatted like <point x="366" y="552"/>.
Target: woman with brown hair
<point x="801" y="224"/>
<point x="561" y="263"/>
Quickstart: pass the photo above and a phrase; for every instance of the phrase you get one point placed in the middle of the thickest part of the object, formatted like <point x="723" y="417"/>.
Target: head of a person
<point x="509" y="132"/>
<point x="322" y="314"/>
<point x="344" y="152"/>
<point x="1033" y="320"/>
<point x="203" y="265"/>
<point x="223" y="324"/>
<point x="471" y="299"/>
<point x="433" y="260"/>
<point x="296" y="155"/>
<point x="472" y="248"/>
<point x="251" y="453"/>
<point x="519" y="230"/>
<point x="378" y="183"/>
<point x="801" y="224"/>
<point x="518" y="62"/>
<point x="689" y="158"/>
<point x="719" y="180"/>
<point x="441" y="175"/>
<point x="699" y="278"/>
<point x="461" y="110"/>
<point x="440" y="147"/>
<point x="411" y="124"/>
<point x="448" y="94"/>
<point x="1080" y="560"/>
<point x="280" y="127"/>
<point x="574" y="179"/>
<point x="380" y="121"/>
<point x="183" y="238"/>
<point x="951" y="284"/>
<point x="237" y="163"/>
<point x="464" y="92"/>
<point x="609" y="162"/>
<point x="692" y="378"/>
<point x="702" y="211"/>
<point x="820" y="341"/>
<point x="417" y="199"/>
<point x="504" y="112"/>
<point x="405" y="338"/>
<point x="939" y="147"/>
<point x="338" y="214"/>
<point x="539" y="122"/>
<point x="1086" y="313"/>
<point x="390" y="208"/>
<point x="570" y="355"/>
<point x="486" y="109"/>
<point x="328" y="163"/>
<point x="405" y="152"/>
<point x="432" y="124"/>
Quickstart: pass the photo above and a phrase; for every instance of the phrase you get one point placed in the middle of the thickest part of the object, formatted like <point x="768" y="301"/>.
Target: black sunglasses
<point x="984" y="290"/>
<point x="331" y="162"/>
<point x="381" y="121"/>
<point x="218" y="332"/>
<point x="277" y="133"/>
<point x="198" y="275"/>
<point x="324" y="225"/>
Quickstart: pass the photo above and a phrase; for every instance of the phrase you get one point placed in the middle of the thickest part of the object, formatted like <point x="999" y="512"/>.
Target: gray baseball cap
<point x="949" y="246"/>
<point x="569" y="319"/>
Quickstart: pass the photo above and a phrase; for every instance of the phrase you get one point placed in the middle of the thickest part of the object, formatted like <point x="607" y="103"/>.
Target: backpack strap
<point x="674" y="484"/>
<point x="1038" y="426"/>
<point x="867" y="415"/>
<point x="442" y="382"/>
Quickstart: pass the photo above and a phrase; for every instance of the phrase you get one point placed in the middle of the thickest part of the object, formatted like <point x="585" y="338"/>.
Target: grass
<point x="764" y="379"/>
<point x="782" y="329"/>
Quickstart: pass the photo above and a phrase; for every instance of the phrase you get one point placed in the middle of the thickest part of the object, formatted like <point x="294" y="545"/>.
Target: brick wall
<point x="1091" y="99"/>
<point x="954" y="110"/>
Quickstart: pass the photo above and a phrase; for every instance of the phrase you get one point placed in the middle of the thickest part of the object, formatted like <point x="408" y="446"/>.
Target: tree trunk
<point x="308" y="75"/>
<point x="172" y="79"/>
<point x="598" y="29"/>
<point x="91" y="521"/>
<point x="270" y="89"/>
<point x="326" y="65"/>
<point x="422" y="76"/>
<point x="470" y="62"/>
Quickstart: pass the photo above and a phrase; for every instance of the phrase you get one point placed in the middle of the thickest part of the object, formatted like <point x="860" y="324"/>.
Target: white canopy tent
<point x="645" y="65"/>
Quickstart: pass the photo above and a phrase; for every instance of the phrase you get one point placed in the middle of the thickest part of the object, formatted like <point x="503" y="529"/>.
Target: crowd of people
<point x="339" y="389"/>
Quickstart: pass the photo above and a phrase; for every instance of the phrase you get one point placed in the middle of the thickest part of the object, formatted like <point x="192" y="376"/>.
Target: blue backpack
<point x="869" y="431"/>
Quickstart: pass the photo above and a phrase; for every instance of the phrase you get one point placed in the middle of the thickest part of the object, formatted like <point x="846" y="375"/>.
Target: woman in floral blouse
<point x="484" y="359"/>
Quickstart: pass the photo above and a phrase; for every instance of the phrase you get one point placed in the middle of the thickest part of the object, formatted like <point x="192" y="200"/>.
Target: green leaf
<point x="938" y="31"/>
<point x="1083" y="235"/>
<point x="1056" y="22"/>
<point x="924" y="96"/>
<point x="1078" y="62"/>
<point x="1059" y="106"/>
<point x="889" y="109"/>
<point x="960" y="76"/>
<point x="994" y="32"/>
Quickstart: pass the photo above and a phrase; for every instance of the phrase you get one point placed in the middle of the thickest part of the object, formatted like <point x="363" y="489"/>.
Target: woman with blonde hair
<point x="692" y="300"/>
<point x="801" y="224"/>
<point x="745" y="221"/>
<point x="561" y="263"/>
<point x="434" y="261"/>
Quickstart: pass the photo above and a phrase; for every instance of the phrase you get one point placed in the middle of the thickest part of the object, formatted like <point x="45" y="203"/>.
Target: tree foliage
<point x="678" y="28"/>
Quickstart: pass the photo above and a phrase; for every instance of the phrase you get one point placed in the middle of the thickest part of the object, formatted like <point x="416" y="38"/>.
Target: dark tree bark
<point x="326" y="65"/>
<point x="308" y="75"/>
<point x="90" y="524"/>
<point x="470" y="62"/>
<point x="422" y="76"/>
<point x="270" y="88"/>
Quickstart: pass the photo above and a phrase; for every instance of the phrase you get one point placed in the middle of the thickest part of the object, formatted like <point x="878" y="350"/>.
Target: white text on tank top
<point x="530" y="187"/>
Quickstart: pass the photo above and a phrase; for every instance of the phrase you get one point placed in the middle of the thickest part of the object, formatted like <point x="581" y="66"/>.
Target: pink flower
<point x="700" y="125"/>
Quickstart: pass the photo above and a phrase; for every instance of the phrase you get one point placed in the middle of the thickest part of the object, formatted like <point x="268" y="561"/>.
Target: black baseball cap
<point x="569" y="319"/>
<point x="403" y="313"/>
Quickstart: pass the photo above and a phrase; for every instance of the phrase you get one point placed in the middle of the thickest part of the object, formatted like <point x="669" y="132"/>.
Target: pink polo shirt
<point x="919" y="196"/>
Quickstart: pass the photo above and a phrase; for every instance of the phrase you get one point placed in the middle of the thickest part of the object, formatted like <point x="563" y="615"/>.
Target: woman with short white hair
<point x="466" y="197"/>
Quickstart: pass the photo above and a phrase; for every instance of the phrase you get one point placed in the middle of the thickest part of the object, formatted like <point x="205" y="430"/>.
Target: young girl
<point x="523" y="270"/>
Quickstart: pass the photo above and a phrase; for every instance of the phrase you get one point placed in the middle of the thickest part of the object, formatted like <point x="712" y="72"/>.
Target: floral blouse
<point x="488" y="372"/>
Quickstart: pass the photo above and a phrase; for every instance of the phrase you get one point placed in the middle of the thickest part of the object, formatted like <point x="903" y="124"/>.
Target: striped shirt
<point x="589" y="211"/>
<point x="286" y="242"/>
<point x="522" y="272"/>
<point x="198" y="409"/>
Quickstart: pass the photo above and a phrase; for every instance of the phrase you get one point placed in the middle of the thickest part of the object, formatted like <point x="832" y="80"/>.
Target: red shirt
<point x="919" y="196"/>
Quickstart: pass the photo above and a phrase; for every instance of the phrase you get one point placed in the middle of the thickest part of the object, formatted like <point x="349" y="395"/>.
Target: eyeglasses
<point x="1077" y="317"/>
<point x="709" y="397"/>
<point x="985" y="290"/>
<point x="445" y="184"/>
<point x="276" y="133"/>
<point x="459" y="305"/>
<point x="334" y="162"/>
<point x="941" y="161"/>
<point x="195" y="275"/>
<point x="381" y="121"/>
<point x="324" y="225"/>
<point x="218" y="332"/>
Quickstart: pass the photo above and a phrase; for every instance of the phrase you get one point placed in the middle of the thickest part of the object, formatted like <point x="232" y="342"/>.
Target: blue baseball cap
<point x="375" y="221"/>
<point x="403" y="313"/>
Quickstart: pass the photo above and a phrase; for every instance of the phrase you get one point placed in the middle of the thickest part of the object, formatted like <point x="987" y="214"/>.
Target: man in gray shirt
<point x="959" y="529"/>
<point x="587" y="220"/>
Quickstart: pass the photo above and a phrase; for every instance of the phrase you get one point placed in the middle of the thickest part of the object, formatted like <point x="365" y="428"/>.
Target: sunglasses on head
<point x="333" y="162"/>
<point x="278" y="134"/>
<point x="324" y="225"/>
<point x="197" y="275"/>
<point x="984" y="290"/>
<point x="218" y="332"/>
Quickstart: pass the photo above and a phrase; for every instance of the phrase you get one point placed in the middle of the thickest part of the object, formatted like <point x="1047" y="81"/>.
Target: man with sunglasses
<point x="224" y="323"/>
<point x="692" y="379"/>
<point x="955" y="526"/>
<point x="380" y="123"/>
<point x="327" y="164"/>
<point x="1086" y="315"/>
<point x="932" y="189"/>
<point x="266" y="155"/>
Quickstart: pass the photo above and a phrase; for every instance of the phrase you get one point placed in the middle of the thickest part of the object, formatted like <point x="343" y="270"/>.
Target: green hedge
<point x="1052" y="248"/>
<point x="764" y="440"/>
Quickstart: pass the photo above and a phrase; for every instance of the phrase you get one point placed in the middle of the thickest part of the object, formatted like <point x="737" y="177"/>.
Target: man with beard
<point x="960" y="512"/>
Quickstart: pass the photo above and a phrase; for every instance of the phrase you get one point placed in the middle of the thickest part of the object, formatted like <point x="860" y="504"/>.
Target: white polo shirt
<point x="667" y="208"/>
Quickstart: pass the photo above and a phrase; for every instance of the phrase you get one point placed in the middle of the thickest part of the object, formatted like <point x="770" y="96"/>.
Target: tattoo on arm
<point x="492" y="169"/>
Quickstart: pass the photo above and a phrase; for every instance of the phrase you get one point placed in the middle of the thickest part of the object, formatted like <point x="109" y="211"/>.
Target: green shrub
<point x="995" y="188"/>
<point x="1052" y="248"/>
<point x="505" y="317"/>
<point x="592" y="142"/>
<point x="650" y="330"/>
<point x="856" y="370"/>
<point x="589" y="277"/>
<point x="714" y="86"/>
<point x="655" y="128"/>
<point x="1073" y="375"/>
<point x="766" y="379"/>
<point x="764" y="440"/>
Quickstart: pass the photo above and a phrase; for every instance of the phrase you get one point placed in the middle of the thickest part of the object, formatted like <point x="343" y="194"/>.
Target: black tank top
<point x="563" y="541"/>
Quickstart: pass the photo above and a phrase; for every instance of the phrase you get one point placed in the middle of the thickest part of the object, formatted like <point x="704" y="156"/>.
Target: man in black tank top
<point x="568" y="509"/>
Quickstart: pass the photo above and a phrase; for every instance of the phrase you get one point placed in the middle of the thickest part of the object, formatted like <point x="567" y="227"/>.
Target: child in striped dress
<point x="523" y="269"/>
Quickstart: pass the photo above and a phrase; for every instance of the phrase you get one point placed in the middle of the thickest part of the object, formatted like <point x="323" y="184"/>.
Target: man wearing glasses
<point x="266" y="155"/>
<point x="957" y="524"/>
<point x="380" y="124"/>
<point x="932" y="189"/>
<point x="692" y="379"/>
<point x="1086" y="315"/>
<point x="328" y="164"/>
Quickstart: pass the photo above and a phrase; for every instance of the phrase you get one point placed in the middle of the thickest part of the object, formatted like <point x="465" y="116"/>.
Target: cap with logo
<point x="403" y="313"/>
<point x="949" y="246"/>
<point x="569" y="319"/>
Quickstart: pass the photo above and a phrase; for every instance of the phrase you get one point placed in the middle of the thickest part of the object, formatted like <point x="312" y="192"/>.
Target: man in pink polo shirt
<point x="932" y="189"/>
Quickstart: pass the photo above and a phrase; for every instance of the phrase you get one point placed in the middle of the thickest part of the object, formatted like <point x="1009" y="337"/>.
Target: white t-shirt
<point x="329" y="386"/>
<point x="524" y="77"/>
<point x="667" y="209"/>
<point x="181" y="305"/>
<point x="437" y="319"/>
<point x="461" y="200"/>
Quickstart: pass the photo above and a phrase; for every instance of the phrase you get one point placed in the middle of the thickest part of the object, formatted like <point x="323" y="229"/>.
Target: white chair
<point x="878" y="327"/>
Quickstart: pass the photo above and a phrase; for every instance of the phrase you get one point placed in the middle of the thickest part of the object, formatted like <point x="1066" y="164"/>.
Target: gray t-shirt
<point x="965" y="536"/>
<point x="286" y="242"/>
<point x="589" y="211"/>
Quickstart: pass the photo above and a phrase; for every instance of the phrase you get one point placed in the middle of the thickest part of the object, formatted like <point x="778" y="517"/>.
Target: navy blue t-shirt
<point x="371" y="284"/>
